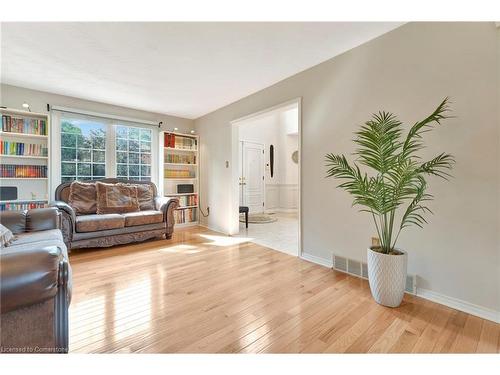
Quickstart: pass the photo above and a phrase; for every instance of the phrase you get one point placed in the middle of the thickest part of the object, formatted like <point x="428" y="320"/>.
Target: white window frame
<point x="111" y="123"/>
<point x="154" y="146"/>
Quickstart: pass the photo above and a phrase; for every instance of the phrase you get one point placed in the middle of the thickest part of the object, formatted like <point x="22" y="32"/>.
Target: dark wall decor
<point x="271" y="159"/>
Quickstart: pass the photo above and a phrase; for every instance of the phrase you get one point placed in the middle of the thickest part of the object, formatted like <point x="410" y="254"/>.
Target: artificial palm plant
<point x="400" y="175"/>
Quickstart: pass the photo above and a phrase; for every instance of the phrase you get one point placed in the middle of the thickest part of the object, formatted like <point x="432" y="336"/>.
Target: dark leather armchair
<point x="35" y="288"/>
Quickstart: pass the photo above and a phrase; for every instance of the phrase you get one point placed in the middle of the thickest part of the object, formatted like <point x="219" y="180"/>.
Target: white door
<point x="252" y="176"/>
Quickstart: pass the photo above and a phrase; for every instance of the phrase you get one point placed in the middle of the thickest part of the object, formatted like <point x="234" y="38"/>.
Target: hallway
<point x="281" y="235"/>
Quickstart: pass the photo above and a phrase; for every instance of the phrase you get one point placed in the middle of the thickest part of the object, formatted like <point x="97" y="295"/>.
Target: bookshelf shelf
<point x="180" y="149"/>
<point x="188" y="224"/>
<point x="23" y="133"/>
<point x="23" y="178"/>
<point x="24" y="157"/>
<point x="23" y="201"/>
<point x="182" y="164"/>
<point x="180" y="157"/>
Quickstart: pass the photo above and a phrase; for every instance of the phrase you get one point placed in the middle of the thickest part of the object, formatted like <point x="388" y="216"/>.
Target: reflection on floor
<point x="282" y="235"/>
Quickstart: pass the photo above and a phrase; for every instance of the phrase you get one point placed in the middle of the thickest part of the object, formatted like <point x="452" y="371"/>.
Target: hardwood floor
<point x="204" y="292"/>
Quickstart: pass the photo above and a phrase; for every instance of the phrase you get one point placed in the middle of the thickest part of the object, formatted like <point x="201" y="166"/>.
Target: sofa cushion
<point x="43" y="235"/>
<point x="145" y="197"/>
<point x="143" y="218"/>
<point x="94" y="223"/>
<point x="116" y="198"/>
<point x="33" y="240"/>
<point x="14" y="220"/>
<point x="83" y="197"/>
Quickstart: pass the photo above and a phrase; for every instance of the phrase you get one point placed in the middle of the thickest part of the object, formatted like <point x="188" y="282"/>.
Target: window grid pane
<point x="83" y="150"/>
<point x="133" y="153"/>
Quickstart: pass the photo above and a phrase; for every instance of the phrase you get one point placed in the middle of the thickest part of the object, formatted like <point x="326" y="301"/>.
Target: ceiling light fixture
<point x="26" y="106"/>
<point x="192" y="131"/>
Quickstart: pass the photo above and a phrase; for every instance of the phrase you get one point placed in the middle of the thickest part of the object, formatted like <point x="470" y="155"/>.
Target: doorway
<point x="266" y="177"/>
<point x="251" y="180"/>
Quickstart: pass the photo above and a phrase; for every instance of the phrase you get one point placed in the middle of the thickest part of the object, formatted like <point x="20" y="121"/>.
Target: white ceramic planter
<point x="387" y="277"/>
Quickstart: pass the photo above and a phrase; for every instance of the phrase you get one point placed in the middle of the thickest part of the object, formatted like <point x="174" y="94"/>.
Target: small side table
<point x="244" y="210"/>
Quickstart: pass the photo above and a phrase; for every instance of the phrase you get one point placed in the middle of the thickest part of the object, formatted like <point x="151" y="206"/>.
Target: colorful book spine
<point x="22" y="149"/>
<point x="24" y="125"/>
<point x="187" y="215"/>
<point x="178" y="173"/>
<point x="188" y="200"/>
<point x="179" y="142"/>
<point x="180" y="159"/>
<point x="7" y="206"/>
<point x="23" y="171"/>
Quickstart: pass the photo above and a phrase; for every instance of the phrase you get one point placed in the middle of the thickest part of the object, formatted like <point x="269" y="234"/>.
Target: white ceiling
<point x="182" y="69"/>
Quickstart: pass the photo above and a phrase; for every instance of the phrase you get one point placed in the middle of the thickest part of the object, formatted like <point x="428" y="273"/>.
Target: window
<point x="94" y="147"/>
<point x="83" y="149"/>
<point x="133" y="153"/>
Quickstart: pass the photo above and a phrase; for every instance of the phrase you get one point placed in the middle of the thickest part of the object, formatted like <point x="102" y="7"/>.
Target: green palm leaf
<point x="399" y="179"/>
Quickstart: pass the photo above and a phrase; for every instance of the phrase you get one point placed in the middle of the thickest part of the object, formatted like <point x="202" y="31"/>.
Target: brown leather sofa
<point x="35" y="284"/>
<point x="103" y="230"/>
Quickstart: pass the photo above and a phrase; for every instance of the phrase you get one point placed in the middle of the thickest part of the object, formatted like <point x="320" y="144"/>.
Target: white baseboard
<point x="458" y="304"/>
<point x="213" y="229"/>
<point x="454" y="303"/>
<point x="281" y="210"/>
<point x="314" y="259"/>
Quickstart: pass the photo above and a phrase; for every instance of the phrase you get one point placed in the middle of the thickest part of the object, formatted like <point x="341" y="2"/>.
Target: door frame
<point x="263" y="181"/>
<point x="234" y="225"/>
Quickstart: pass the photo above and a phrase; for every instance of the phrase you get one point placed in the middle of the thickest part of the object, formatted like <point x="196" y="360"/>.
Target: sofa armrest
<point x="68" y="220"/>
<point x="29" y="276"/>
<point x="43" y="219"/>
<point x="63" y="206"/>
<point x="164" y="203"/>
<point x="167" y="205"/>
<point x="14" y="220"/>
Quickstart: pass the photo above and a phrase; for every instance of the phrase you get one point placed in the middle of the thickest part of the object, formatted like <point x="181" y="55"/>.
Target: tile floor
<point x="281" y="235"/>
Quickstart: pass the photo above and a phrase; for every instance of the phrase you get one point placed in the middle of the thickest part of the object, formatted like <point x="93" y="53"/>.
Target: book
<point x="23" y="171"/>
<point x="22" y="149"/>
<point x="24" y="125"/>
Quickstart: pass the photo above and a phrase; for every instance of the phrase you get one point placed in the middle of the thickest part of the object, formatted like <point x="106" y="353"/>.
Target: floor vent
<point x="360" y="269"/>
<point x="340" y="263"/>
<point x="354" y="267"/>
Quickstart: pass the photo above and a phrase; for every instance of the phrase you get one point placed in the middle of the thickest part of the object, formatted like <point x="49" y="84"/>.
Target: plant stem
<point x="391" y="225"/>
<point x="376" y="224"/>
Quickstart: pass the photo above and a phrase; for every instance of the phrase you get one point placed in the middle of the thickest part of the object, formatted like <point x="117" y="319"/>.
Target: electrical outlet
<point x="375" y="241"/>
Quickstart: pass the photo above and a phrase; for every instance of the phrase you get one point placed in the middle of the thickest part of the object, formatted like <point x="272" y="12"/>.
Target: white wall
<point x="407" y="71"/>
<point x="280" y="129"/>
<point x="14" y="97"/>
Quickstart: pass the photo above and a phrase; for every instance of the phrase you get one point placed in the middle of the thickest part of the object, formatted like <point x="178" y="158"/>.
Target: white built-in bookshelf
<point x="24" y="159"/>
<point x="179" y="161"/>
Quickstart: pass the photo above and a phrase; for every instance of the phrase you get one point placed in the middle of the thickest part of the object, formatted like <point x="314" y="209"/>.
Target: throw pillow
<point x="83" y="198"/>
<point x="6" y="236"/>
<point x="145" y="197"/>
<point x="116" y="198"/>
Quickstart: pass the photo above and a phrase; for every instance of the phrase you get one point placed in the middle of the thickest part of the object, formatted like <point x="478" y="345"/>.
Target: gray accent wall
<point x="407" y="71"/>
